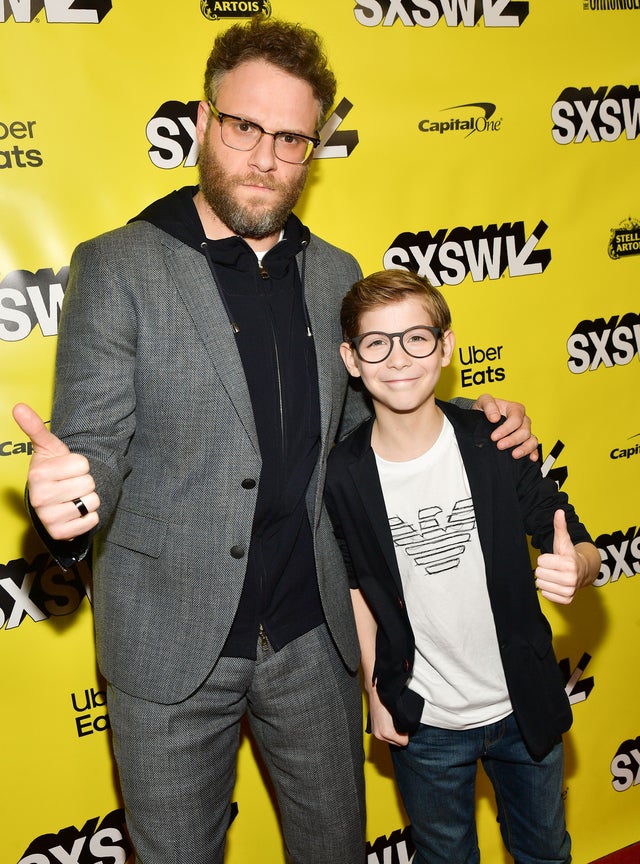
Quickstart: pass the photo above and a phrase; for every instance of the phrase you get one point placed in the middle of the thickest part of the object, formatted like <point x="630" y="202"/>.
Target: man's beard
<point x="246" y="220"/>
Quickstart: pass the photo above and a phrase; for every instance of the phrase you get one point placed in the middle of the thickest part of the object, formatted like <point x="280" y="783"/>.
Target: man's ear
<point x="448" y="344"/>
<point x="204" y="113"/>
<point x="349" y="359"/>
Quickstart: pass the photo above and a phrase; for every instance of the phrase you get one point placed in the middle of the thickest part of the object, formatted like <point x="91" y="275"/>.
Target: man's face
<point x="251" y="191"/>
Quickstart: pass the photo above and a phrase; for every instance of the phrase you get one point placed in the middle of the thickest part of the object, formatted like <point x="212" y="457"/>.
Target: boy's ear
<point x="448" y="344"/>
<point x="349" y="359"/>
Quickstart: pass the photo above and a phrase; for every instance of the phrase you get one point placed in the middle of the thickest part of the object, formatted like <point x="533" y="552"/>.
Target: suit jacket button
<point x="237" y="551"/>
<point x="406" y="665"/>
<point x="249" y="483"/>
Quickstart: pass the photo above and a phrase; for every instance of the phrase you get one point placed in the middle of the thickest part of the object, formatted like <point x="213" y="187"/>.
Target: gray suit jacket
<point x="150" y="387"/>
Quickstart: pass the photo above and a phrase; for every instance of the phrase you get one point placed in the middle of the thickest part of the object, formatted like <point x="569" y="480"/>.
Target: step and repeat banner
<point x="492" y="145"/>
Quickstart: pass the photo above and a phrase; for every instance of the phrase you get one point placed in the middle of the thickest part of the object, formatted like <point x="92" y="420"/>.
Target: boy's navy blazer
<point x="511" y="499"/>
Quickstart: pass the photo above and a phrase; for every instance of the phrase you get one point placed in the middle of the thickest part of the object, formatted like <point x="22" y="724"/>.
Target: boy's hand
<point x="561" y="573"/>
<point x="382" y="723"/>
<point x="57" y="478"/>
<point x="516" y="429"/>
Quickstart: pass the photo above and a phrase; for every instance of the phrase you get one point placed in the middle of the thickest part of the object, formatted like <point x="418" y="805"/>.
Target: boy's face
<point x="401" y="384"/>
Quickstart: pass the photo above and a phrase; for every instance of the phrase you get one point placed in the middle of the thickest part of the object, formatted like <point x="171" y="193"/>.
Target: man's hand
<point x="60" y="485"/>
<point x="516" y="429"/>
<point x="559" y="574"/>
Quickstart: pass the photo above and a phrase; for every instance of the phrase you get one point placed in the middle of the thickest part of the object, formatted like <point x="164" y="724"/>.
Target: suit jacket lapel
<point x="323" y="315"/>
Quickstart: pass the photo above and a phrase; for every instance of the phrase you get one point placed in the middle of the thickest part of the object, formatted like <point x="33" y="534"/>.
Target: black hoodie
<point x="266" y="302"/>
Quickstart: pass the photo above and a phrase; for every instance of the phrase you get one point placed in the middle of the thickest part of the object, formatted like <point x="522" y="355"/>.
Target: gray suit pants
<point x="177" y="763"/>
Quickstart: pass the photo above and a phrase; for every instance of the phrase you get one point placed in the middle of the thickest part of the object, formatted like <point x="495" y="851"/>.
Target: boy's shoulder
<point x="354" y="444"/>
<point x="468" y="420"/>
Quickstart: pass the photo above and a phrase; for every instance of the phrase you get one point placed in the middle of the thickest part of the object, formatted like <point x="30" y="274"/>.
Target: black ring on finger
<point x="82" y="507"/>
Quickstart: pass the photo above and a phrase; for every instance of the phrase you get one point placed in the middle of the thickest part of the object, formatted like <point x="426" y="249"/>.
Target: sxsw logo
<point x="548" y="467"/>
<point x="625" y="765"/>
<point x="619" y="555"/>
<point x="576" y="686"/>
<point x="604" y="343"/>
<point x="601" y="115"/>
<point x="29" y="299"/>
<point x="56" y="11"/>
<point x="95" y="843"/>
<point x="398" y="848"/>
<point x="39" y="590"/>
<point x="447" y="256"/>
<point x="172" y="135"/>
<point x="427" y="13"/>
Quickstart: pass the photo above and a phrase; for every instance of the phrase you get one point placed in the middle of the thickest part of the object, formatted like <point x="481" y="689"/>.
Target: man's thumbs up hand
<point x="61" y="489"/>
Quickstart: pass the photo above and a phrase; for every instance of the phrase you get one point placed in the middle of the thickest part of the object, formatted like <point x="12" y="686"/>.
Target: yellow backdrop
<point x="495" y="145"/>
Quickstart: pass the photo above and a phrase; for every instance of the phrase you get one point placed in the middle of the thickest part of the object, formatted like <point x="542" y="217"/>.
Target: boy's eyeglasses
<point x="241" y="134"/>
<point x="374" y="347"/>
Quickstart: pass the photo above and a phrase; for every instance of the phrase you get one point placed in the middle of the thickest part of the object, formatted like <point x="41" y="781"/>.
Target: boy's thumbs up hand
<point x="558" y="573"/>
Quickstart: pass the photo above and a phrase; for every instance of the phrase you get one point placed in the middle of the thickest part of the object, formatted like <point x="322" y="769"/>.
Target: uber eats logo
<point x="56" y="11"/>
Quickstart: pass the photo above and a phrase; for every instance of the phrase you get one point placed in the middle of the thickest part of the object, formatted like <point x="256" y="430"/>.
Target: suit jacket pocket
<point x="140" y="533"/>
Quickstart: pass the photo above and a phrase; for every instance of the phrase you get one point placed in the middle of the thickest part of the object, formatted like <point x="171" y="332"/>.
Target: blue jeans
<point x="436" y="776"/>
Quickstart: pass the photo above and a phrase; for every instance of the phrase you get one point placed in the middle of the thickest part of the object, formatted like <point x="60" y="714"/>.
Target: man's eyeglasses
<point x="375" y="347"/>
<point x="241" y="134"/>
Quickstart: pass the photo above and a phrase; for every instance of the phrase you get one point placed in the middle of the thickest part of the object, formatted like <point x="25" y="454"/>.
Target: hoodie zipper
<point x="265" y="275"/>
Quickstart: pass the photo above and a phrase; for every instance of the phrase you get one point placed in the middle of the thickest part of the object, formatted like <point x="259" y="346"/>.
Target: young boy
<point x="456" y="653"/>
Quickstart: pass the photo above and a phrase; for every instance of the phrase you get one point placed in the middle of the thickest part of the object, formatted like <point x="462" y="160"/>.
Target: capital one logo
<point x="172" y="135"/>
<point x="56" y="11"/>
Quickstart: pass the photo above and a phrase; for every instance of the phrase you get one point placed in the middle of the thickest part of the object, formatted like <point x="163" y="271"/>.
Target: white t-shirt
<point x="457" y="666"/>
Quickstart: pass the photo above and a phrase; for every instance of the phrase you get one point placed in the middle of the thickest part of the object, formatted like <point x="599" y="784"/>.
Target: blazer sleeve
<point x="539" y="499"/>
<point x="94" y="397"/>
